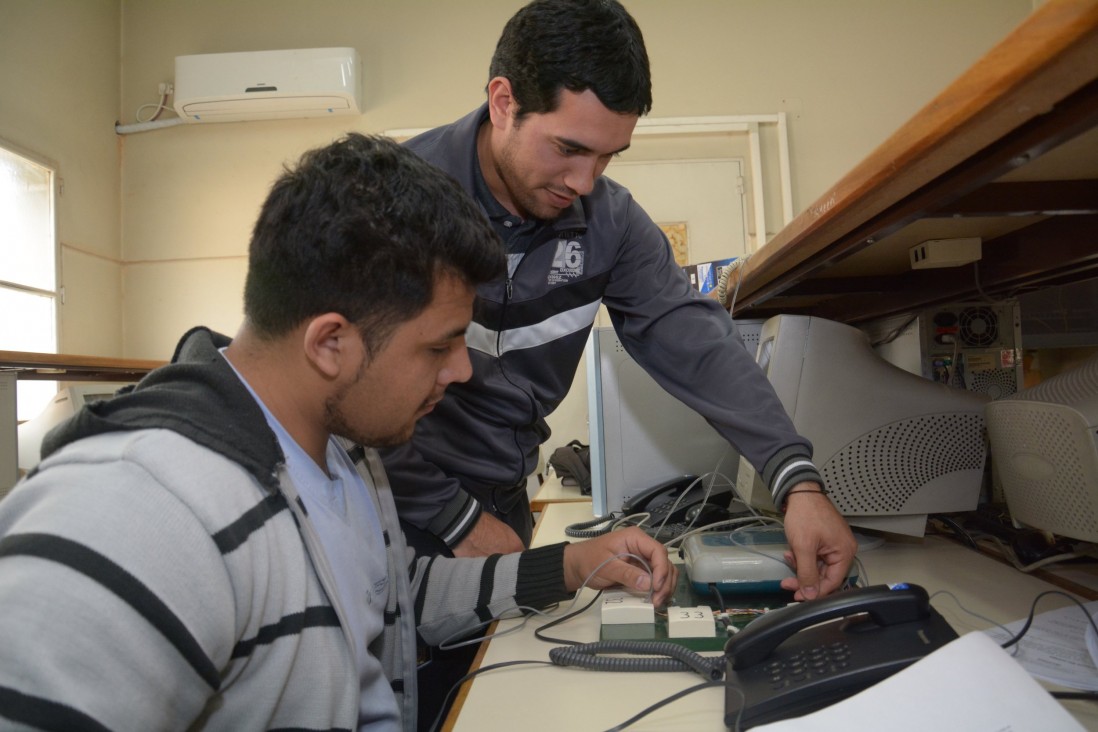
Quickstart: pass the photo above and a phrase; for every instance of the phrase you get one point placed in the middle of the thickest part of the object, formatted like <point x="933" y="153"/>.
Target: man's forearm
<point x="488" y="536"/>
<point x="456" y="519"/>
<point x="426" y="497"/>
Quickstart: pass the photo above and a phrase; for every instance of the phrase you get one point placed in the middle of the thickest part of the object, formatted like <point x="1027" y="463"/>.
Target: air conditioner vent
<point x="231" y="87"/>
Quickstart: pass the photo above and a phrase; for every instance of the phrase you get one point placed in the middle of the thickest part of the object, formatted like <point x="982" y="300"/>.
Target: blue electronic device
<point x="750" y="560"/>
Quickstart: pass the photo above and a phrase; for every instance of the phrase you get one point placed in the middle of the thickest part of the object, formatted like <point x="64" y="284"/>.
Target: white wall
<point x="849" y="71"/>
<point x="59" y="99"/>
<point x="191" y="193"/>
<point x="155" y="226"/>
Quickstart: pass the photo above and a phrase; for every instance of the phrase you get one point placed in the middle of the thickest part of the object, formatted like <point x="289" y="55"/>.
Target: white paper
<point x="969" y="685"/>
<point x="1054" y="649"/>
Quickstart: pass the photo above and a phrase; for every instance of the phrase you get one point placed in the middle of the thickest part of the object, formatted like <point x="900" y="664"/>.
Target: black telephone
<point x="665" y="509"/>
<point x="790" y="662"/>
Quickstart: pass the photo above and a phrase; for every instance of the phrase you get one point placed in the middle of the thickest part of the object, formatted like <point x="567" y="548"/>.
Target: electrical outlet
<point x="945" y="252"/>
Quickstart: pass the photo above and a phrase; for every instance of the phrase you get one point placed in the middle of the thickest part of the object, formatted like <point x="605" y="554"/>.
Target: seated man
<point x="205" y="552"/>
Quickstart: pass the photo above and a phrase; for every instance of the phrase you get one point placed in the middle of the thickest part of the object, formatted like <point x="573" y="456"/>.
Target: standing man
<point x="567" y="84"/>
<point x="203" y="553"/>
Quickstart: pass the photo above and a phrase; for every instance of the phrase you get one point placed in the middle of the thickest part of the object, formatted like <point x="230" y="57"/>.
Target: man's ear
<point x="501" y="102"/>
<point x="332" y="344"/>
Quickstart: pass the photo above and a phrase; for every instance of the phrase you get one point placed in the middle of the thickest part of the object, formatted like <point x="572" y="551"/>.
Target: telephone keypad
<point x="668" y="531"/>
<point x="794" y="663"/>
<point x="803" y="665"/>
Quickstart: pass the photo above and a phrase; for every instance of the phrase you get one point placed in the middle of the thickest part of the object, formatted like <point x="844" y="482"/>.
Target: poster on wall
<point x="676" y="237"/>
<point x="698" y="204"/>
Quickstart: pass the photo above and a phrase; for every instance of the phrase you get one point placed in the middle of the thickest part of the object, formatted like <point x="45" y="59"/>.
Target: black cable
<point x="561" y="619"/>
<point x="492" y="667"/>
<point x="1033" y="610"/>
<point x="960" y="532"/>
<point x="664" y="702"/>
<point x="720" y="598"/>
<point x="895" y="332"/>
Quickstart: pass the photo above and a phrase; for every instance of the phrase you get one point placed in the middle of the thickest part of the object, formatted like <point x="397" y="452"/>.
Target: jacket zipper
<point x="508" y="294"/>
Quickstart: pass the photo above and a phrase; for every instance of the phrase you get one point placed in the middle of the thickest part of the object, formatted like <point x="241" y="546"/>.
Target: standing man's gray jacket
<point x="528" y="336"/>
<point x="159" y="571"/>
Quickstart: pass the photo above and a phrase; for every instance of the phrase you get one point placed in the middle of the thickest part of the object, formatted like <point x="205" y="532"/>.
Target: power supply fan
<point x="979" y="327"/>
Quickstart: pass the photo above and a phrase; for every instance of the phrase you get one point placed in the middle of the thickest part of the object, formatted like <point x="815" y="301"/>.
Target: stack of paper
<point x="1051" y="650"/>
<point x="971" y="684"/>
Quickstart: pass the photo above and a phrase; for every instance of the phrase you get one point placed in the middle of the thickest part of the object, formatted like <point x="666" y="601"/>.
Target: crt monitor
<point x="892" y="447"/>
<point x="641" y="435"/>
<point x="65" y="403"/>
<point x="1044" y="443"/>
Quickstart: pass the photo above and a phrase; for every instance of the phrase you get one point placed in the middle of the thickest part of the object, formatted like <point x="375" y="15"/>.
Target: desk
<point x="551" y="698"/>
<point x="554" y="491"/>
<point x="62" y="367"/>
<point x="23" y="365"/>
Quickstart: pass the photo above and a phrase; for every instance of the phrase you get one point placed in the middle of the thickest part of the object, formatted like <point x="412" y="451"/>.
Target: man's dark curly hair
<point x="576" y="45"/>
<point x="362" y="227"/>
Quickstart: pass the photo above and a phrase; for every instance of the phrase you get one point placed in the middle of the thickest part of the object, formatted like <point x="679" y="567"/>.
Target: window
<point x="28" y="267"/>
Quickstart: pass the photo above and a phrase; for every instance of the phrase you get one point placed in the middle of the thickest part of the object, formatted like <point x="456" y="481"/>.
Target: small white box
<point x="945" y="252"/>
<point x="690" y="622"/>
<point x="620" y="608"/>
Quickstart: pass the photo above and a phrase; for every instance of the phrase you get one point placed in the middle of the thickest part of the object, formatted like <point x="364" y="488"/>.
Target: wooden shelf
<point x="62" y="367"/>
<point x="1008" y="152"/>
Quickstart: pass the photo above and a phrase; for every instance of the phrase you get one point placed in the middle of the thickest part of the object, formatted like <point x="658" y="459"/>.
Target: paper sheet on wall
<point x="969" y="684"/>
<point x="1052" y="649"/>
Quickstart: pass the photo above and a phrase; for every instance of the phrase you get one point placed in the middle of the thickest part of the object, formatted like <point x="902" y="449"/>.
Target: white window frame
<point x="32" y="393"/>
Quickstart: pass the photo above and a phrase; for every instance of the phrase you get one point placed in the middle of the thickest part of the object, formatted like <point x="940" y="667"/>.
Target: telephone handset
<point x="662" y="494"/>
<point x="662" y="503"/>
<point x="801" y="658"/>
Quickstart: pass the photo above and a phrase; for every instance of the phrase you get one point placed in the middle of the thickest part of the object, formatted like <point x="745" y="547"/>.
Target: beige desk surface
<point x="551" y="698"/>
<point x="553" y="491"/>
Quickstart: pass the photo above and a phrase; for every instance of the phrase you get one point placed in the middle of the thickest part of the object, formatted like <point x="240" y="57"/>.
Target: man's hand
<point x="821" y="542"/>
<point x="489" y="536"/>
<point x="581" y="559"/>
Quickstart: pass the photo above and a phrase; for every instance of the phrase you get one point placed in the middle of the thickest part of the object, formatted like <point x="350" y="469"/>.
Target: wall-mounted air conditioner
<point x="229" y="87"/>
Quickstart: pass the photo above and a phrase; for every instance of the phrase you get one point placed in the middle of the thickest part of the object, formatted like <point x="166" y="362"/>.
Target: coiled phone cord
<point x="676" y="657"/>
<point x="587" y="530"/>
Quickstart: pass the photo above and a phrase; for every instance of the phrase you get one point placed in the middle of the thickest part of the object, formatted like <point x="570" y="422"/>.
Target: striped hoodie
<point x="158" y="571"/>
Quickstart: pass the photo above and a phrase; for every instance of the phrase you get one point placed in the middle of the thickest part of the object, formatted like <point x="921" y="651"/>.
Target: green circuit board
<point x="685" y="596"/>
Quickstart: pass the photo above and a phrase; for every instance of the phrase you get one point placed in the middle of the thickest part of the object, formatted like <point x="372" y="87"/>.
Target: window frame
<point x="56" y="189"/>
